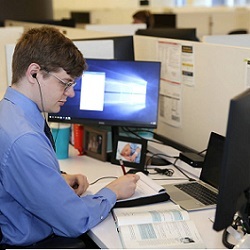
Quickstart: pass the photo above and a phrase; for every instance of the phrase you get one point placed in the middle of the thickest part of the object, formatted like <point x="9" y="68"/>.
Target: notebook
<point x="208" y="181"/>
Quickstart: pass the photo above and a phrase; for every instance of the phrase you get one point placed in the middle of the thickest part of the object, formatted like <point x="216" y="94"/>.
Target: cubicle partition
<point x="8" y="35"/>
<point x="72" y="33"/>
<point x="197" y="82"/>
<point x="241" y="40"/>
<point x="93" y="44"/>
<point x="125" y="29"/>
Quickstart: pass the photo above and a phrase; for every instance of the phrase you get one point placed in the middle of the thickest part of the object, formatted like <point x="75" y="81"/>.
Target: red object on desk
<point x="78" y="138"/>
<point x="122" y="166"/>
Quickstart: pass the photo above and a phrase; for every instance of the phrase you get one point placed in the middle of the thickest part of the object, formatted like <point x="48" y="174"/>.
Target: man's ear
<point x="32" y="71"/>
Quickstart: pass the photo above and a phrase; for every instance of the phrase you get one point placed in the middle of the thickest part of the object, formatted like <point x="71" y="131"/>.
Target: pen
<point x="122" y="166"/>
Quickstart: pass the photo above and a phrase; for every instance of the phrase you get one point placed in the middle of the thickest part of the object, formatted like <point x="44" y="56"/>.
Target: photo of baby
<point x="128" y="151"/>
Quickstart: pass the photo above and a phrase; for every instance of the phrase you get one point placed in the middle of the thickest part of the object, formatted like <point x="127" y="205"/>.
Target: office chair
<point x="55" y="242"/>
<point x="236" y="32"/>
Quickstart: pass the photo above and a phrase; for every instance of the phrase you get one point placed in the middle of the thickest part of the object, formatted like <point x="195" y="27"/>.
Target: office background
<point x="207" y="21"/>
<point x="220" y="61"/>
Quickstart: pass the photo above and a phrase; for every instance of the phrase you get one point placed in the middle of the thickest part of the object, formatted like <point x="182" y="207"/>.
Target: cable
<point x="128" y="130"/>
<point x="174" y="164"/>
<point x="168" y="179"/>
<point x="165" y="171"/>
<point x="237" y="223"/>
<point x="104" y="177"/>
<point x="201" y="152"/>
<point x="42" y="104"/>
<point x="225" y="240"/>
<point x="41" y="97"/>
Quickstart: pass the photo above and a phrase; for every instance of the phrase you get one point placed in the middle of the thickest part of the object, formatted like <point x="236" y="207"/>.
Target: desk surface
<point x="105" y="234"/>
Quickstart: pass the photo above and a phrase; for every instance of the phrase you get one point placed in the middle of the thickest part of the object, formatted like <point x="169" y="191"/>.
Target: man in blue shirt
<point x="36" y="200"/>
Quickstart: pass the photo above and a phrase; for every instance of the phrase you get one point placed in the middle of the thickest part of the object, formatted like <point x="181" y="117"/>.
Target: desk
<point x="105" y="234"/>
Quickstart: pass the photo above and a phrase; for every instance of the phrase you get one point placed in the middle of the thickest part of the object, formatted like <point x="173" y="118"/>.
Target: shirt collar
<point x="29" y="108"/>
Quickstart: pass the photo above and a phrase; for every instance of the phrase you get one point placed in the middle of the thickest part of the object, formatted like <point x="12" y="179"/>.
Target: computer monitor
<point x="65" y="22"/>
<point x="178" y="33"/>
<point x="123" y="46"/>
<point x="163" y="20"/>
<point x="81" y="16"/>
<point x="114" y="93"/>
<point x="234" y="185"/>
<point x="26" y="10"/>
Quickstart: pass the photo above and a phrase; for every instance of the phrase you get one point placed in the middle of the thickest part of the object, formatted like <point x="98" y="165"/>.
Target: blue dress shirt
<point x="35" y="200"/>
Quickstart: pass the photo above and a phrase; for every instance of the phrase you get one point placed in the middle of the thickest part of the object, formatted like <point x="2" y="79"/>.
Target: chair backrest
<point x="236" y="32"/>
<point x="55" y="242"/>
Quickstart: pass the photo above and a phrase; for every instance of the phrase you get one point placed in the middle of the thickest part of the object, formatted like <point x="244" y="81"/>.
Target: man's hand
<point x="124" y="187"/>
<point x="78" y="182"/>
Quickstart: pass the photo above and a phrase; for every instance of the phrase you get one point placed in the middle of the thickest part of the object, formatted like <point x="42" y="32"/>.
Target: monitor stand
<point x="244" y="212"/>
<point x="243" y="223"/>
<point x="156" y="161"/>
<point x="114" y="134"/>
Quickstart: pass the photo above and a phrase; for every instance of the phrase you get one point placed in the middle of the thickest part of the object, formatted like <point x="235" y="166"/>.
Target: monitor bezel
<point x="109" y="122"/>
<point x="234" y="182"/>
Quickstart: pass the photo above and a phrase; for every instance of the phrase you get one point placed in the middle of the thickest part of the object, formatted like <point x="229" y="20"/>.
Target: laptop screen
<point x="210" y="172"/>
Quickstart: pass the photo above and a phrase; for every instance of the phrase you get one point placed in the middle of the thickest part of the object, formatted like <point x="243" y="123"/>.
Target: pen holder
<point x="61" y="135"/>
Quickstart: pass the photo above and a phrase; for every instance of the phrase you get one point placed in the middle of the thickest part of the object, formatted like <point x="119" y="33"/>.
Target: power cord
<point x="236" y="225"/>
<point x="169" y="172"/>
<point x="104" y="177"/>
<point x="174" y="164"/>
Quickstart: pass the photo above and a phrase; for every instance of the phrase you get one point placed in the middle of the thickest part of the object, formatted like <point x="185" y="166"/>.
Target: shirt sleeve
<point x="31" y="176"/>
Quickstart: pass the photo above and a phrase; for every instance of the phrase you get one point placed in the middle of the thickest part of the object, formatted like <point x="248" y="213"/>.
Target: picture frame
<point x="132" y="151"/>
<point x="95" y="143"/>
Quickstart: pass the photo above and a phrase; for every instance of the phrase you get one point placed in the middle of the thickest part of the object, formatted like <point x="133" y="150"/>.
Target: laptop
<point x="195" y="195"/>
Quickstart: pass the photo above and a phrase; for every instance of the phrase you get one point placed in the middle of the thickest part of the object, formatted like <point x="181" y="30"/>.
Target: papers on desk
<point x="147" y="192"/>
<point x="156" y="226"/>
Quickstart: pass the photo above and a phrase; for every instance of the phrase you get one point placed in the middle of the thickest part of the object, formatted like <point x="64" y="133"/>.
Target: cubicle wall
<point x="94" y="48"/>
<point x="104" y="48"/>
<point x="242" y="40"/>
<point x="8" y="35"/>
<point x="72" y="33"/>
<point x="208" y="21"/>
<point x="198" y="81"/>
<point x="125" y="29"/>
<point x="213" y="21"/>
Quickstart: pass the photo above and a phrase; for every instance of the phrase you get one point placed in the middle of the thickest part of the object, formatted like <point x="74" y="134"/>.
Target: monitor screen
<point x="178" y="33"/>
<point x="26" y="10"/>
<point x="123" y="46"/>
<point x="164" y="20"/>
<point x="114" y="93"/>
<point x="235" y="172"/>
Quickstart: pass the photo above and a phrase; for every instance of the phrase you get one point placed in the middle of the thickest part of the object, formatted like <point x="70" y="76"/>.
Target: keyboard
<point x="199" y="192"/>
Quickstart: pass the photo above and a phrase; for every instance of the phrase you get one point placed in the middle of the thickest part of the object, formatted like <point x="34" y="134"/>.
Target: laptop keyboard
<point x="199" y="192"/>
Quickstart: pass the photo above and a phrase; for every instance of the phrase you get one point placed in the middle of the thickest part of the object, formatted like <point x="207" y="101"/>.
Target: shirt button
<point x="101" y="217"/>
